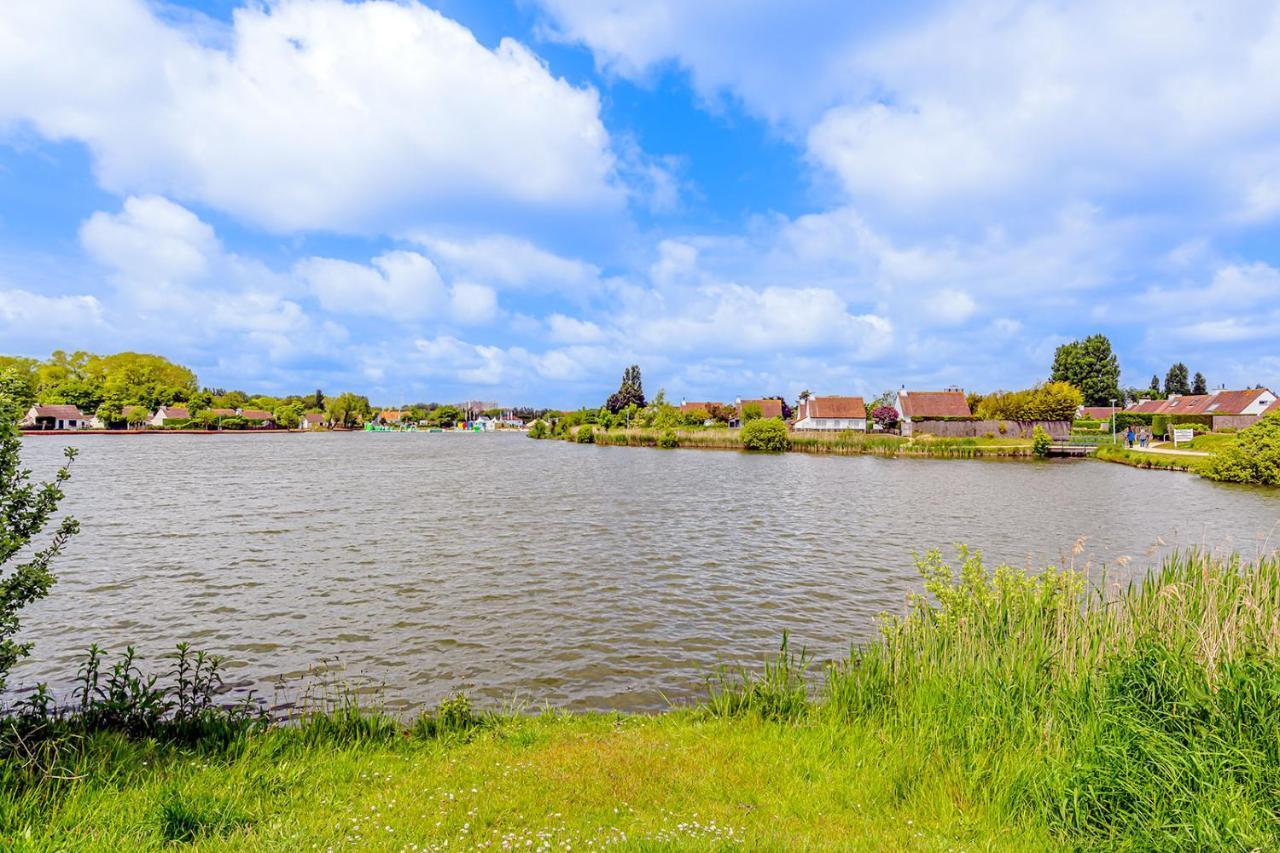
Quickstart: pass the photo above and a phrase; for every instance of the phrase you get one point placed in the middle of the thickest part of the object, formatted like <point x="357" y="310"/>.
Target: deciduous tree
<point x="1091" y="366"/>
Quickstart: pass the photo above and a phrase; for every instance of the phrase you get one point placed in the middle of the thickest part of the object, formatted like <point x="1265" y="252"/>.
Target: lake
<point x="586" y="577"/>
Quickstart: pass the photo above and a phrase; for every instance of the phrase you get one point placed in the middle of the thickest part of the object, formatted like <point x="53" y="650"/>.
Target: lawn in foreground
<point x="676" y="781"/>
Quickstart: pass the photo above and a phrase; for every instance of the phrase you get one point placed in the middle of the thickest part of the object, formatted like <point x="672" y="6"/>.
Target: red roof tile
<point x="1232" y="402"/>
<point x="768" y="408"/>
<point x="255" y="415"/>
<point x="66" y="413"/>
<point x="934" y="404"/>
<point x="693" y="407"/>
<point x="1098" y="413"/>
<point x="833" y="407"/>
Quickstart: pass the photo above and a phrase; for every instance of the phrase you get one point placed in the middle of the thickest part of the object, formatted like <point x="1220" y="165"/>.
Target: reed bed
<point x="1144" y="715"/>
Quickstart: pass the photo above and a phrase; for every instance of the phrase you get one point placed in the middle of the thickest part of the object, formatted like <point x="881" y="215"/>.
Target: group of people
<point x="1142" y="436"/>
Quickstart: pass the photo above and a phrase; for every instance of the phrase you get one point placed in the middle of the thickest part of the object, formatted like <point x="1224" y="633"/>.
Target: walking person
<point x="1128" y="437"/>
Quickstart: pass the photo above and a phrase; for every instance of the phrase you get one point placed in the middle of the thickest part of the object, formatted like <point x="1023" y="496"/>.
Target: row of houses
<point x="1228" y="409"/>
<point x="839" y="413"/>
<point x="394" y="418"/>
<point x="67" y="417"/>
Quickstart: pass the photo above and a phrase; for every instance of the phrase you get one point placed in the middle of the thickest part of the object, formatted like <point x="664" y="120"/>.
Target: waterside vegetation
<point x="999" y="709"/>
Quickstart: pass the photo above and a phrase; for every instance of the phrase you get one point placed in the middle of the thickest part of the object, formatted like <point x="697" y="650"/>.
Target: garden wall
<point x="1233" y="421"/>
<point x="978" y="429"/>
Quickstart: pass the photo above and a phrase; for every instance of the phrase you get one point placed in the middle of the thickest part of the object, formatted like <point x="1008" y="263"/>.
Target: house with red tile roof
<point x="311" y="420"/>
<point x="832" y="413"/>
<point x="1145" y="407"/>
<point x="1097" y="413"/>
<point x="1247" y="403"/>
<point x="54" y="417"/>
<point x="164" y="414"/>
<point x="257" y="417"/>
<point x="922" y="405"/>
<point x="686" y="406"/>
<point x="769" y="408"/>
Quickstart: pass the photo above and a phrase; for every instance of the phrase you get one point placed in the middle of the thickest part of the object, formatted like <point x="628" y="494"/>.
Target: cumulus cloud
<point x="511" y="262"/>
<point x="33" y="320"/>
<point x="319" y="114"/>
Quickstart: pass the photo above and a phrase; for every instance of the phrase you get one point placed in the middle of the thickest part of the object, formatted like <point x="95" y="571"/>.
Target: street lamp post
<point x="1113" y="420"/>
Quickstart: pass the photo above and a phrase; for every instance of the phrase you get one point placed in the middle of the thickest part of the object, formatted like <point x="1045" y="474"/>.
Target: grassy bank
<point x="1143" y="459"/>
<point x="998" y="711"/>
<point x="837" y="444"/>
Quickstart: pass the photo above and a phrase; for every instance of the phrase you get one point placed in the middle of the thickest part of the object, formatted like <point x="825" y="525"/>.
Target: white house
<point x="54" y="417"/>
<point x="311" y="420"/>
<point x="832" y="413"/>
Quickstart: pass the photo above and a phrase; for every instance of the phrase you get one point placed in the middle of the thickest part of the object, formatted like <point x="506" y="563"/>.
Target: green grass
<point x="1142" y="459"/>
<point x="676" y="781"/>
<point x="998" y="711"/>
<point x="848" y="443"/>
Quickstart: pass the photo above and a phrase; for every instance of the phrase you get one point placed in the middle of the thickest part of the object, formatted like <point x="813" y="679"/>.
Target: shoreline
<point x="916" y="741"/>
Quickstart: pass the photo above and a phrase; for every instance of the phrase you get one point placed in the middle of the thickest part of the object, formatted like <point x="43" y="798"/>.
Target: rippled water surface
<point x="587" y="577"/>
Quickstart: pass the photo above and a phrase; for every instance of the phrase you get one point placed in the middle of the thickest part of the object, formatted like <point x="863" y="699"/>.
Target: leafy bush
<point x="766" y="434"/>
<point x="1160" y="424"/>
<point x="1253" y="458"/>
<point x="668" y="440"/>
<point x="25" y="510"/>
<point x="1041" y="441"/>
<point x="538" y="429"/>
<point x="751" y="412"/>
<point x="585" y="435"/>
<point x="1124" y="420"/>
<point x="885" y="416"/>
<point x="1053" y="401"/>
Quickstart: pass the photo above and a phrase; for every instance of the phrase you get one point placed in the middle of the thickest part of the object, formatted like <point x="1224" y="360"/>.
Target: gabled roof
<point x="693" y="407"/>
<point x="1232" y="402"/>
<point x="313" y="417"/>
<point x="1146" y="407"/>
<point x="1217" y="403"/>
<point x="1097" y="413"/>
<point x="255" y="415"/>
<point x="1273" y="408"/>
<point x="934" y="404"/>
<point x="833" y="407"/>
<point x="176" y="413"/>
<point x="768" y="408"/>
<point x="223" y="413"/>
<point x="64" y="412"/>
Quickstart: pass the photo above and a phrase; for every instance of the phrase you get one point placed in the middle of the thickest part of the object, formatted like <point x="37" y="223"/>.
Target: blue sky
<point x="515" y="200"/>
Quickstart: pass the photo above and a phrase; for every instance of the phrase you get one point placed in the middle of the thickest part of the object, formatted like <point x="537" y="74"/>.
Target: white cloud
<point x="473" y="304"/>
<point x="398" y="285"/>
<point x="571" y="330"/>
<point x="31" y="320"/>
<point x="152" y="240"/>
<point x="318" y="114"/>
<point x="510" y="262"/>
<point x="994" y="103"/>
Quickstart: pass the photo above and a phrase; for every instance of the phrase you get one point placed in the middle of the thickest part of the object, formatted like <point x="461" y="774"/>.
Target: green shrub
<point x="668" y="440"/>
<point x="585" y="435"/>
<point x="1160" y="424"/>
<point x="1041" y="441"/>
<point x="1124" y="420"/>
<point x="453" y="716"/>
<point x="766" y="434"/>
<point x="538" y="429"/>
<point x="25" y="510"/>
<point x="1253" y="458"/>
